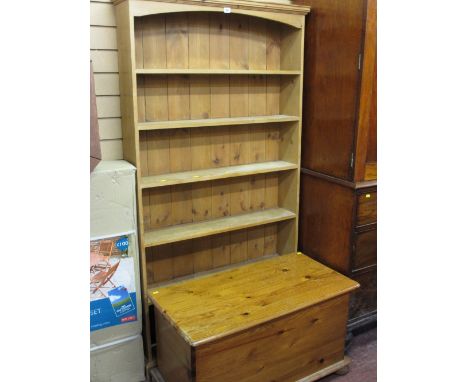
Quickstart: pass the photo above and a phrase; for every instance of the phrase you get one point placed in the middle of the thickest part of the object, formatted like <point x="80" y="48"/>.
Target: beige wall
<point x="104" y="57"/>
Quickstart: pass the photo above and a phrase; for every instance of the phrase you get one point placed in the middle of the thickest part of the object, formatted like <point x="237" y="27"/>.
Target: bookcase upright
<point x="211" y="102"/>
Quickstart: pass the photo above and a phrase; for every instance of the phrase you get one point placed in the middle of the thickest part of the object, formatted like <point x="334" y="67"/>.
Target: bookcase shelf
<point x="215" y="173"/>
<point x="208" y="122"/>
<point x="220" y="72"/>
<point x="215" y="226"/>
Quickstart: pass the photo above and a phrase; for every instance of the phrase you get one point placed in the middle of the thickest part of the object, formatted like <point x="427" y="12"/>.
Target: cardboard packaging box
<point x="115" y="296"/>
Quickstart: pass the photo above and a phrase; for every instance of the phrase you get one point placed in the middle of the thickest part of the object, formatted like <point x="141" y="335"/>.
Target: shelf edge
<point x="214" y="122"/>
<point x="195" y="176"/>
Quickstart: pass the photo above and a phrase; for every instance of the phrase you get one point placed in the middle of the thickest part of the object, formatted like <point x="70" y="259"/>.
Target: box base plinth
<point x="340" y="366"/>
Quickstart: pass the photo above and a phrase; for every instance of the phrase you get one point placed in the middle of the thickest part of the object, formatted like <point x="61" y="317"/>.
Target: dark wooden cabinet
<point x="338" y="227"/>
<point x="338" y="212"/>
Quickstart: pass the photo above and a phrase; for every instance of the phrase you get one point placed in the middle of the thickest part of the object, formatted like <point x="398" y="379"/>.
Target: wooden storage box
<point x="280" y="319"/>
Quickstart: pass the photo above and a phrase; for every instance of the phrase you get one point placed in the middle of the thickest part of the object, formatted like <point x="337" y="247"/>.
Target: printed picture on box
<point x="112" y="282"/>
<point x="121" y="301"/>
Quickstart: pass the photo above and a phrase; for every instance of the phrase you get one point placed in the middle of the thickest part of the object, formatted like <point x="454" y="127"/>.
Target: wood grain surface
<point x="286" y="349"/>
<point x="326" y="221"/>
<point x="215" y="306"/>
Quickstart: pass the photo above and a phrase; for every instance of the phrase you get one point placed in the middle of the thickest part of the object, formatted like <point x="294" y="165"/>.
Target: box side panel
<point x="285" y="349"/>
<point x="174" y="354"/>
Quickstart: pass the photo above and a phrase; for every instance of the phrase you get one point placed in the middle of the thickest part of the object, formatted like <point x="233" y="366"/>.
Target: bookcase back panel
<point x="183" y="97"/>
<point x="190" y="203"/>
<point x="203" y="40"/>
<point x="188" y="257"/>
<point x="166" y="151"/>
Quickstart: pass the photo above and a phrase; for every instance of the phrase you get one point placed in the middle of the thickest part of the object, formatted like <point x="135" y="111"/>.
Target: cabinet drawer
<point x="367" y="208"/>
<point x="364" y="300"/>
<point x="365" y="253"/>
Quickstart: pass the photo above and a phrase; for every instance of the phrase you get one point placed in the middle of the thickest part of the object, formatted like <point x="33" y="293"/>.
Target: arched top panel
<point x="212" y="41"/>
<point x="292" y="15"/>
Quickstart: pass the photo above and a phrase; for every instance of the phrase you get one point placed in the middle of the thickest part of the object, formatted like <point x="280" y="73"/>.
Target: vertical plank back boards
<point x="217" y="41"/>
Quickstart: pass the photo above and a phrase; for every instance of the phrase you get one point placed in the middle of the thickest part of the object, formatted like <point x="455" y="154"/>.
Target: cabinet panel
<point x="366" y="249"/>
<point x="326" y="221"/>
<point x="372" y="144"/>
<point x="331" y="84"/>
<point x="366" y="126"/>
<point x="364" y="300"/>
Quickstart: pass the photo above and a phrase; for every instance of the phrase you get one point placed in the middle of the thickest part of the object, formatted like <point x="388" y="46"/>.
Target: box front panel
<point x="285" y="349"/>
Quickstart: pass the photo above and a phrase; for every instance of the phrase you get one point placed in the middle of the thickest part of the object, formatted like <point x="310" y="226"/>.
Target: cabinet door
<point x="331" y="84"/>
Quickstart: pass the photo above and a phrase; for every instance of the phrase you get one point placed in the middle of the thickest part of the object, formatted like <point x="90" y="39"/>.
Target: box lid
<point x="211" y="307"/>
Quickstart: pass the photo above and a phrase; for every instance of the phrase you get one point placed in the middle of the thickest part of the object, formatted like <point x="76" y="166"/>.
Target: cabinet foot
<point x="343" y="370"/>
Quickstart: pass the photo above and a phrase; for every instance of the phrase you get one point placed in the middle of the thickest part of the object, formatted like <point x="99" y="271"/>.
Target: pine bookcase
<point x="211" y="102"/>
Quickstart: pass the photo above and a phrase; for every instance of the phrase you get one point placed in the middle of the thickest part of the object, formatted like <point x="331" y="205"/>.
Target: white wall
<point x="105" y="64"/>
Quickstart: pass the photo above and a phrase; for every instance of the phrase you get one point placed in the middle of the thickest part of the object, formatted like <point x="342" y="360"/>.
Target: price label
<point x="227" y="9"/>
<point x="122" y="243"/>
